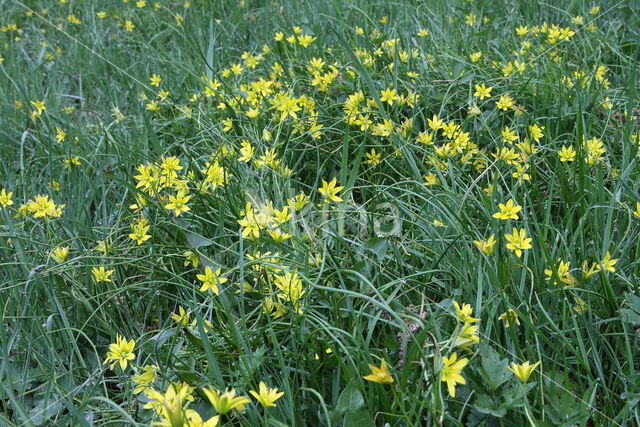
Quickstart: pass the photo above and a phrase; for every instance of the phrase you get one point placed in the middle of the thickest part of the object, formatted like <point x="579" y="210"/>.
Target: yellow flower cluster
<point x="41" y="207"/>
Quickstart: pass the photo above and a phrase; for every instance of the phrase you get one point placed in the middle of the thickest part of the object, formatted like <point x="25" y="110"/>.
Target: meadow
<point x="336" y="212"/>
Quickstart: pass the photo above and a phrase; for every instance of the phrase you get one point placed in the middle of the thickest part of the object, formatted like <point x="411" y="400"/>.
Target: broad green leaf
<point x="494" y="371"/>
<point x="350" y="399"/>
<point x="632" y="313"/>
<point x="358" y="418"/>
<point x="487" y="405"/>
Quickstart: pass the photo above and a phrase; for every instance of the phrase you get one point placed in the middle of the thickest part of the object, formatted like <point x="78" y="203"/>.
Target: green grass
<point x="367" y="278"/>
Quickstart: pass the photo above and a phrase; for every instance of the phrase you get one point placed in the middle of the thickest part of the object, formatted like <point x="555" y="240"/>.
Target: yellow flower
<point x="505" y="102"/>
<point x="60" y="254"/>
<point x="252" y="113"/>
<point x="507" y="69"/>
<point x="128" y="25"/>
<point x="636" y="213"/>
<point x="329" y="191"/>
<point x="178" y="203"/>
<point x="144" y="380"/>
<point x="60" y="135"/>
<point x="216" y="175"/>
<point x="467" y="337"/>
<point x="486" y="246"/>
<point x="170" y="403"/>
<point x="373" y="158"/>
<point x="482" y="91"/>
<point x="210" y="280"/>
<point x="305" y="40"/>
<point x="191" y="258"/>
<point x="470" y="19"/>
<point x="580" y="306"/>
<point x="430" y="180"/>
<point x="524" y="370"/>
<point x="251" y="223"/>
<point x="267" y="396"/>
<point x="139" y="233"/>
<point x="5" y="198"/>
<point x="508" y="210"/>
<point x="508" y="135"/>
<point x="120" y="352"/>
<point x="281" y="216"/>
<point x="227" y="401"/>
<point x="435" y="123"/>
<point x="563" y="273"/>
<point x="536" y="132"/>
<point x="73" y="19"/>
<point x="153" y="106"/>
<point x="509" y="316"/>
<point x="40" y="107"/>
<point x="451" y="372"/>
<point x="101" y="275"/>
<point x="291" y="287"/>
<point x="101" y="14"/>
<point x="155" y="80"/>
<point x="608" y="263"/>
<point x="475" y="56"/>
<point x="102" y="246"/>
<point x="237" y="69"/>
<point x="464" y="312"/>
<point x="518" y="241"/>
<point x="286" y="104"/>
<point x="379" y="375"/>
<point x="246" y="150"/>
<point x="195" y="420"/>
<point x="182" y="317"/>
<point x="298" y="202"/>
<point x="278" y="236"/>
<point x="71" y="161"/>
<point x="388" y="95"/>
<point x="567" y="154"/>
<point x="44" y="207"/>
<point x="589" y="272"/>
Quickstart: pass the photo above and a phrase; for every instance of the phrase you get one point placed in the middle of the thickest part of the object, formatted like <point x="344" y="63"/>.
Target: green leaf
<point x="158" y="340"/>
<point x="513" y="395"/>
<point x="494" y="371"/>
<point x="350" y="399"/>
<point x="197" y="241"/>
<point x="632" y="314"/>
<point x="564" y="409"/>
<point x="377" y="245"/>
<point x="40" y="413"/>
<point x="358" y="418"/>
<point x="486" y="405"/>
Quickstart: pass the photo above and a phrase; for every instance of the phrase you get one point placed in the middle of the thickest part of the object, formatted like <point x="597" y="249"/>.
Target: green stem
<point x="400" y="404"/>
<point x="527" y="412"/>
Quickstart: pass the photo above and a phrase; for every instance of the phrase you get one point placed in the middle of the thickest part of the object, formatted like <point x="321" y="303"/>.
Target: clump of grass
<point x="245" y="213"/>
